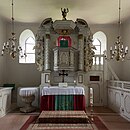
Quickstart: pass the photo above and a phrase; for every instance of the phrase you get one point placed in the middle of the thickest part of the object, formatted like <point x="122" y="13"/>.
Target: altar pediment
<point x="59" y="25"/>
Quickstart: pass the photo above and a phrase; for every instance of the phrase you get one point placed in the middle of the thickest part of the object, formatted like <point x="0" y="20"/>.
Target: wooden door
<point x="96" y="83"/>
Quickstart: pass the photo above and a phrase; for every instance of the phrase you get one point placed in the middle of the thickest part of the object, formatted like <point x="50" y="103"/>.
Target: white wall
<point x="126" y="42"/>
<point x="111" y="32"/>
<point x="27" y="74"/>
<point x="2" y="59"/>
<point x="22" y="74"/>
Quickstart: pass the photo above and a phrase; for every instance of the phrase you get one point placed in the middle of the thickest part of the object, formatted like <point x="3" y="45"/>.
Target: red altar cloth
<point x="48" y="102"/>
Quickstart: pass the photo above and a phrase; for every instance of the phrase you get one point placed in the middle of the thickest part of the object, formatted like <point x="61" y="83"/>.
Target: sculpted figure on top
<point x="64" y="13"/>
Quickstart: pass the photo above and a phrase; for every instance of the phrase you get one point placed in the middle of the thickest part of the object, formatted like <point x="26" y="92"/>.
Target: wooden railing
<point x="98" y="62"/>
<point x="113" y="74"/>
<point x="119" y="97"/>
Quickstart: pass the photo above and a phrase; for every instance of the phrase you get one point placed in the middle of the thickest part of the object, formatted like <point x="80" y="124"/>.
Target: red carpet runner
<point x="31" y="120"/>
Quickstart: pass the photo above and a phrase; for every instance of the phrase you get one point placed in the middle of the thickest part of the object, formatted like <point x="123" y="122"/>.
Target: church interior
<point x="64" y="65"/>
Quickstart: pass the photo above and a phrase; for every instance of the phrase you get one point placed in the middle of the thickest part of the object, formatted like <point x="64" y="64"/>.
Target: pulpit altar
<point x="63" y="54"/>
<point x="62" y="98"/>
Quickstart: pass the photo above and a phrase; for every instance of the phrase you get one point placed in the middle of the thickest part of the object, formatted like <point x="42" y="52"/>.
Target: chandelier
<point x="118" y="52"/>
<point x="10" y="47"/>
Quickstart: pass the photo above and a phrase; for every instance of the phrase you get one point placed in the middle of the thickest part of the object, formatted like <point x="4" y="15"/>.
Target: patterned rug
<point x="66" y="117"/>
<point x="33" y="123"/>
<point x="62" y="127"/>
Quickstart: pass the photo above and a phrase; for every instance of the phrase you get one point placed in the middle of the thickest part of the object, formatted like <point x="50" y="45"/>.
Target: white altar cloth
<point x="27" y="91"/>
<point x="70" y="90"/>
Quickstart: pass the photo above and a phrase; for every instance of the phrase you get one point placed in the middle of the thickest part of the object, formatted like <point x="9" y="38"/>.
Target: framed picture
<point x="80" y="78"/>
<point x="46" y="78"/>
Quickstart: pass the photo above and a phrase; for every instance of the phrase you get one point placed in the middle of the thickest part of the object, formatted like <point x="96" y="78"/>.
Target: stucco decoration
<point x="46" y="21"/>
<point x="89" y="53"/>
<point x="39" y="50"/>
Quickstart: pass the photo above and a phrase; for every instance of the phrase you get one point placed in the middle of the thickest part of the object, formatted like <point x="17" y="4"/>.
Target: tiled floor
<point x="115" y="122"/>
<point x="112" y="120"/>
<point x="15" y="119"/>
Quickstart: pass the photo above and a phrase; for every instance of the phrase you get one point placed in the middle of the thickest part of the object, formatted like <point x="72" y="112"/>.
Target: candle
<point x="48" y="81"/>
<point x="122" y="46"/>
<point x="2" y="53"/>
<point x="126" y="48"/>
<point x="15" y="49"/>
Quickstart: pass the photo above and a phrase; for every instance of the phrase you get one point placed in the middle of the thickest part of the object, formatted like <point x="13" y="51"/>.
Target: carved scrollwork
<point x="39" y="49"/>
<point x="46" y="21"/>
<point x="89" y="54"/>
<point x="81" y="22"/>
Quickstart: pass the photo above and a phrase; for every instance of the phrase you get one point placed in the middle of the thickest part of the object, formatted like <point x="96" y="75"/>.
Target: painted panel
<point x="118" y="101"/>
<point x="127" y="103"/>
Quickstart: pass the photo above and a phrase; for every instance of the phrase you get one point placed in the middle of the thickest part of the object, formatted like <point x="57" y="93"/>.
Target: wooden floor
<point x="14" y="120"/>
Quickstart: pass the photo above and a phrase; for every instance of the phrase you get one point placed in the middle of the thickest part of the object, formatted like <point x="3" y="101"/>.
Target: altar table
<point x="62" y="98"/>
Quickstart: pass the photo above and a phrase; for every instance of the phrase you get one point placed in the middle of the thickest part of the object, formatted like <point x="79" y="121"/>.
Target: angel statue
<point x="64" y="13"/>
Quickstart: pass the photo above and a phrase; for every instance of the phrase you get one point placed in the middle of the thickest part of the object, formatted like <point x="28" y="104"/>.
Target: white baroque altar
<point x="64" y="52"/>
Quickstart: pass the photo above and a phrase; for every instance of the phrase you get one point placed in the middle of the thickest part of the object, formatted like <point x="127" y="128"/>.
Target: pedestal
<point x="28" y="96"/>
<point x="28" y="103"/>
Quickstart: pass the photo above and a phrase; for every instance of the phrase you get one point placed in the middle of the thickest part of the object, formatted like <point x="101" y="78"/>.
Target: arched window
<point x="27" y="42"/>
<point x="99" y="41"/>
<point x="97" y="44"/>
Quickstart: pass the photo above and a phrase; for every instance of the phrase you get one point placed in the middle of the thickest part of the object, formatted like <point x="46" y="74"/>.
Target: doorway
<point x="96" y="85"/>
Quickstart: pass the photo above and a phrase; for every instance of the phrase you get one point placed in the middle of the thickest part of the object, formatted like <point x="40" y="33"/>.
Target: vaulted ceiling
<point x="93" y="11"/>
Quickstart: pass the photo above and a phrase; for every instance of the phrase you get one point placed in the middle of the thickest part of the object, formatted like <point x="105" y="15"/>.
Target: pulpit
<point x="63" y="98"/>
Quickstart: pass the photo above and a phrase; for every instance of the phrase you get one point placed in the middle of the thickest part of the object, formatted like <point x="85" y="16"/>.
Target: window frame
<point x="23" y="42"/>
<point x="97" y="45"/>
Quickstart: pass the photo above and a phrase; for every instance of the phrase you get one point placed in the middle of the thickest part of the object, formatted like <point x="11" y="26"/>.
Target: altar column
<point x="81" y="52"/>
<point x="47" y="53"/>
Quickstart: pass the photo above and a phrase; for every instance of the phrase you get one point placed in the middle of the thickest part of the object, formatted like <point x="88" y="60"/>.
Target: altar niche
<point x="63" y="74"/>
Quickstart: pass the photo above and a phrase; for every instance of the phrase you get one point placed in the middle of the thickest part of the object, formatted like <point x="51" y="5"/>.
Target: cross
<point x="63" y="74"/>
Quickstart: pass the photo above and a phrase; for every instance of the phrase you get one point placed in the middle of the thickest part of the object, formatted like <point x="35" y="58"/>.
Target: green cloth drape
<point x="64" y="102"/>
<point x="63" y="43"/>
